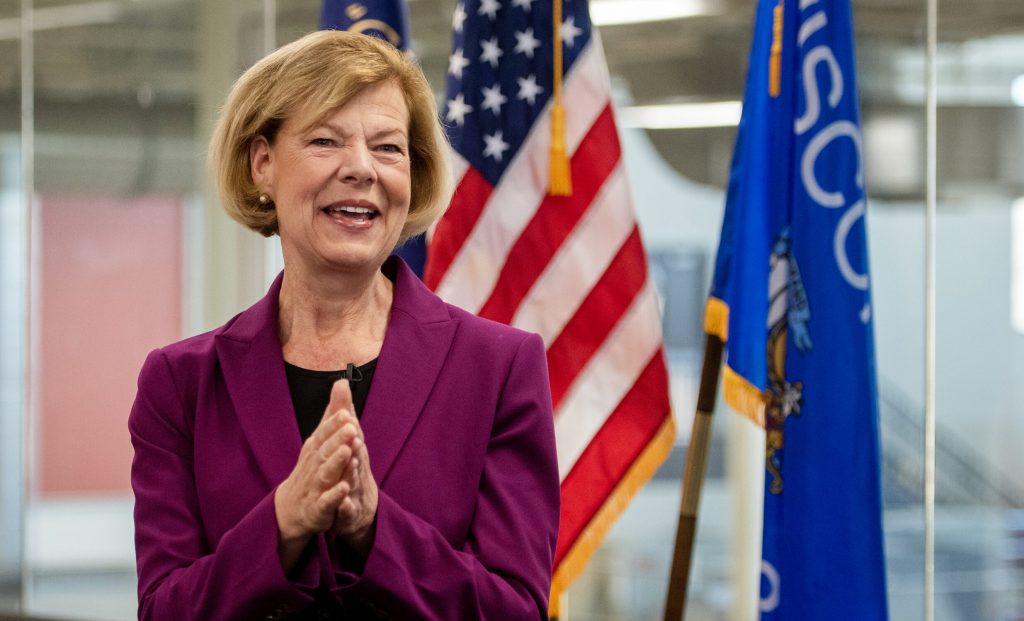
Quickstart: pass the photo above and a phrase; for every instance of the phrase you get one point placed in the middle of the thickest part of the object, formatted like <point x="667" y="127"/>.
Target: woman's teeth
<point x="357" y="212"/>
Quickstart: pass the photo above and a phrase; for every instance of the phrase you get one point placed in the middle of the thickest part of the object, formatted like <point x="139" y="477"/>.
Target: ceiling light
<point x="682" y="116"/>
<point x="65" y="16"/>
<point x="1017" y="90"/>
<point x="614" y="12"/>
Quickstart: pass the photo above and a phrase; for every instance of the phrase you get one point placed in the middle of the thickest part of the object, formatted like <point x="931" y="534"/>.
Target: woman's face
<point x="342" y="188"/>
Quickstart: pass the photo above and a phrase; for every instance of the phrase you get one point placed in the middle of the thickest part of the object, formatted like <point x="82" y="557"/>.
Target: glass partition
<point x="979" y="561"/>
<point x="115" y="164"/>
<point x="13" y="276"/>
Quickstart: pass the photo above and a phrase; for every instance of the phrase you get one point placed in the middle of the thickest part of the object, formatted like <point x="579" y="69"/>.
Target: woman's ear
<point x="261" y="162"/>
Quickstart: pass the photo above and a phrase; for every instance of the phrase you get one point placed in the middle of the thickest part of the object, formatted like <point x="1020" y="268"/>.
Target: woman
<point x="428" y="491"/>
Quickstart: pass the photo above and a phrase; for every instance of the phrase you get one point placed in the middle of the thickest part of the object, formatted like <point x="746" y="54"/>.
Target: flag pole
<point x="693" y="478"/>
<point x="931" y="212"/>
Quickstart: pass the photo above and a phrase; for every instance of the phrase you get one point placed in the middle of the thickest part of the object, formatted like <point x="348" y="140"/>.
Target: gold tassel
<point x="560" y="181"/>
<point x="775" y="62"/>
<point x="560" y="178"/>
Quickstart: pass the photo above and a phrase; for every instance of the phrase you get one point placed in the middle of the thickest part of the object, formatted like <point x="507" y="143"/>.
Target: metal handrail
<point x="975" y="477"/>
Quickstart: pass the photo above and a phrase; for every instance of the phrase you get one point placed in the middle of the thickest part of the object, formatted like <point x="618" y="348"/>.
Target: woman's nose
<point x="356" y="164"/>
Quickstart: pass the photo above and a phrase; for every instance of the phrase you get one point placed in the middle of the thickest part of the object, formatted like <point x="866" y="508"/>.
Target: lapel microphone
<point x="352" y="373"/>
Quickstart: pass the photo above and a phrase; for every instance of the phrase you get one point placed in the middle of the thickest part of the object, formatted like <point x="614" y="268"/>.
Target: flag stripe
<point x="580" y="262"/>
<point x="596" y="317"/>
<point x="593" y="161"/>
<point x="607" y="377"/>
<point x="480" y="258"/>
<point x="614" y="448"/>
<point x="458" y="163"/>
<point x="467" y="204"/>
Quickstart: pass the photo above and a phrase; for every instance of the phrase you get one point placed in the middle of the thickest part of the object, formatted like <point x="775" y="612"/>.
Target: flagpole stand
<point x="693" y="479"/>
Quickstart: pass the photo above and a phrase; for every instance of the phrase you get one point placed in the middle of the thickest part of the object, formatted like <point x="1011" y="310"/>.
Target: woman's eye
<point x="321" y="142"/>
<point x="390" y="148"/>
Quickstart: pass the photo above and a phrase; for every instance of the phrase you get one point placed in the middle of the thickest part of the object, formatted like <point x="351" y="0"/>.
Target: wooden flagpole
<point x="693" y="478"/>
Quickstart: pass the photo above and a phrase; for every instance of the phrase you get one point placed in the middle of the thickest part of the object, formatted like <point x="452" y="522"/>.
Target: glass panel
<point x="979" y="562"/>
<point x="13" y="273"/>
<point x="116" y="163"/>
<point x="124" y="94"/>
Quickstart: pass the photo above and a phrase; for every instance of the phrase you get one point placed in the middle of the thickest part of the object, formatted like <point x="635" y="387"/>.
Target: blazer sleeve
<point x="504" y="569"/>
<point x="180" y="577"/>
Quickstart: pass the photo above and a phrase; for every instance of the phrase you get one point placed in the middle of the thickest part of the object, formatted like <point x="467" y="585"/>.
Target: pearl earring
<point x="264" y="199"/>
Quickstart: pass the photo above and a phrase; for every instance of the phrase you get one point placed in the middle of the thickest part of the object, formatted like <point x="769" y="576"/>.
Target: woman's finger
<point x="328" y="426"/>
<point x="333" y="468"/>
<point x="332" y="498"/>
<point x="341" y="398"/>
<point x="342" y="436"/>
<point x="351" y="472"/>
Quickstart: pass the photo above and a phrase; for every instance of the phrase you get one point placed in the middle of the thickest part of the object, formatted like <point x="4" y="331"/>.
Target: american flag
<point x="571" y="268"/>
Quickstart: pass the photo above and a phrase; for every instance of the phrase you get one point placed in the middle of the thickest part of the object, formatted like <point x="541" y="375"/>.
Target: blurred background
<point x="127" y="250"/>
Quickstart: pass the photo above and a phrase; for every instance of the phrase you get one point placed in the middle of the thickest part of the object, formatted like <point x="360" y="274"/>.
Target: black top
<point x="311" y="391"/>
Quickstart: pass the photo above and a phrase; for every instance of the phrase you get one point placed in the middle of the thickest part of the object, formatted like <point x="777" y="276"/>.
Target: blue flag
<point x="791" y="299"/>
<point x="388" y="20"/>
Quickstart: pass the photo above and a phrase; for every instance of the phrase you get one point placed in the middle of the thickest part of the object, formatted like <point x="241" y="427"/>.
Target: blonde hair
<point x="320" y="73"/>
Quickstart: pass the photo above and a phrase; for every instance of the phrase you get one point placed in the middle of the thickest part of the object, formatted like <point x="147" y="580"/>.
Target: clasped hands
<point x="331" y="486"/>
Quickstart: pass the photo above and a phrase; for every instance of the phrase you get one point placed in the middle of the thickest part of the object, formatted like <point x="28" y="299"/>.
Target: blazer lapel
<point x="419" y="335"/>
<point x="249" y="352"/>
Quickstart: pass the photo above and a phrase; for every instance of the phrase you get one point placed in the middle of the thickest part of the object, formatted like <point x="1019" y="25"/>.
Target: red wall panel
<point x="110" y="291"/>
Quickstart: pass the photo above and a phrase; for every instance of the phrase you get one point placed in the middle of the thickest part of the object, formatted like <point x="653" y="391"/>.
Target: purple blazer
<point x="460" y="434"/>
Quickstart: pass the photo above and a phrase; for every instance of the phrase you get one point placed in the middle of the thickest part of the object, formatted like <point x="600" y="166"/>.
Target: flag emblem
<point x="788" y="315"/>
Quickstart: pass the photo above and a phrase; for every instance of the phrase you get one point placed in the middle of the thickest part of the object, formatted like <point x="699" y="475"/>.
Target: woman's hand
<point x="308" y="501"/>
<point x="356" y="515"/>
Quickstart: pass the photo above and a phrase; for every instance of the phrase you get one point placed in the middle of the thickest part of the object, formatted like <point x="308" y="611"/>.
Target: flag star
<point x="493" y="99"/>
<point x="459" y="17"/>
<point x="491" y="52"/>
<point x="523" y="4"/>
<point x="526" y="42"/>
<point x="457" y="110"/>
<point x="456" y="63"/>
<point x="489" y="8"/>
<point x="495" y="146"/>
<point x="528" y="89"/>
<point x="570" y="31"/>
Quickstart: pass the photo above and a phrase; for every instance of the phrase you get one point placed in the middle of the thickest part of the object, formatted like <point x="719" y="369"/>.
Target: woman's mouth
<point x="351" y="213"/>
